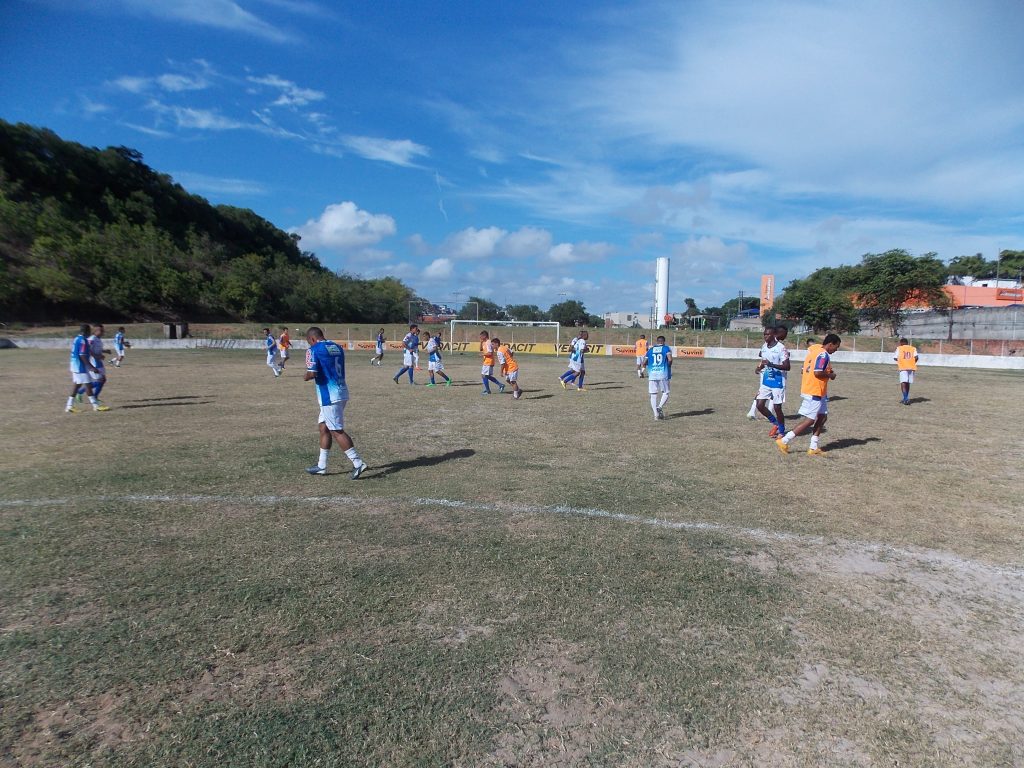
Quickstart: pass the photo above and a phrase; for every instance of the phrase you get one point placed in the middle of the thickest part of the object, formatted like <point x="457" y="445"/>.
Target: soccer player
<point x="120" y="342"/>
<point x="284" y="343"/>
<point x="577" y="361"/>
<point x="271" y="345"/>
<point x="81" y="368"/>
<point x="773" y="368"/>
<point x="434" y="362"/>
<point x="379" y="358"/>
<point x="817" y="373"/>
<point x="659" y="375"/>
<point x="410" y="341"/>
<point x="98" y="374"/>
<point x="487" y="368"/>
<point x="509" y="367"/>
<point x="641" y="356"/>
<point x="325" y="367"/>
<point x="906" y="362"/>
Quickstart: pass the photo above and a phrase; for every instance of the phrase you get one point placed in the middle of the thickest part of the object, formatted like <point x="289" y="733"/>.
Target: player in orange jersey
<point x="487" y="369"/>
<point x="641" y="356"/>
<point x="509" y="366"/>
<point x="906" y="362"/>
<point x="816" y="374"/>
<point x="284" y="343"/>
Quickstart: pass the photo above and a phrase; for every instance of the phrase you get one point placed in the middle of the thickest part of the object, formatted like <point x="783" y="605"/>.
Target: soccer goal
<point x="521" y="333"/>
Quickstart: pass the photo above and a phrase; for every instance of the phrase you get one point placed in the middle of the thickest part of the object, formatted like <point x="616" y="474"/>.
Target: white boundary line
<point x="931" y="557"/>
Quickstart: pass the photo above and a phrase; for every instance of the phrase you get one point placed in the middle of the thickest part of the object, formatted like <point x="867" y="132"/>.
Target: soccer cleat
<point x="501" y="389"/>
<point x="562" y="382"/>
<point x="752" y="416"/>
<point x="661" y="414"/>
<point x="317" y="470"/>
<point x="431" y="384"/>
<point x="781" y="445"/>
<point x="581" y="389"/>
<point x="486" y="392"/>
<point x="100" y="407"/>
<point x="395" y="379"/>
<point x="358" y="470"/>
<point x="517" y="394"/>
<point x="448" y="383"/>
<point x="815" y="452"/>
<point x="774" y="431"/>
<point x="72" y="409"/>
<point x="277" y="374"/>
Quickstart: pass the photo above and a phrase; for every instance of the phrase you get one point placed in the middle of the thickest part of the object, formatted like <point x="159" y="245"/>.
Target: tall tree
<point x="822" y="300"/>
<point x="526" y="312"/>
<point x="569" y="313"/>
<point x="888" y="283"/>
<point x="488" y="310"/>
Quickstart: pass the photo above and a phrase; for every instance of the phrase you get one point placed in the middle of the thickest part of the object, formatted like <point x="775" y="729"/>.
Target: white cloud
<point x="220" y="14"/>
<point x="439" y="269"/>
<point x="399" y="152"/>
<point x="291" y="95"/>
<point x="344" y="226"/>
<point x="178" y="83"/>
<point x="525" y="243"/>
<point x="473" y="243"/>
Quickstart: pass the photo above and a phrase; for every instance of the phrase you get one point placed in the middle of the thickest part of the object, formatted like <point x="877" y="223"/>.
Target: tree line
<point x="86" y="232"/>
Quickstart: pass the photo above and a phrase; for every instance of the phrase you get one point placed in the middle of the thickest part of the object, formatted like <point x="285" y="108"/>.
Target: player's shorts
<point x="658" y="386"/>
<point x="99" y="375"/>
<point x="333" y="416"/>
<point x="81" y="378"/>
<point x="284" y="354"/>
<point x="906" y="377"/>
<point x="641" y="359"/>
<point x="119" y="350"/>
<point x="380" y="350"/>
<point x="407" y="358"/>
<point x="486" y="370"/>
<point x="272" y="359"/>
<point x="512" y="375"/>
<point x="435" y="367"/>
<point x="575" y="365"/>
<point x="811" y="408"/>
<point x="776" y="394"/>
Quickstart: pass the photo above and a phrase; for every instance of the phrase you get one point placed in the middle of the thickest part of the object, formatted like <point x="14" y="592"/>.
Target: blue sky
<point x="531" y="151"/>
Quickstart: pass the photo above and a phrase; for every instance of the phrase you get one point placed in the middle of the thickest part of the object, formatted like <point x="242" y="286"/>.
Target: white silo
<point x="661" y="292"/>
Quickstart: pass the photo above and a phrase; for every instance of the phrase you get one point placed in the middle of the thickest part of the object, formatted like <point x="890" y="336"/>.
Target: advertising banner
<point x="767" y="293"/>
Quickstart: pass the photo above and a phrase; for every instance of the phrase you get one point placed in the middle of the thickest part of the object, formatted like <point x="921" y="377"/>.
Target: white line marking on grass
<point x="928" y="556"/>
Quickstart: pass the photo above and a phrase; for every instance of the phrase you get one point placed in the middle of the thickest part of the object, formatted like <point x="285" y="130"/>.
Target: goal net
<point x="464" y="335"/>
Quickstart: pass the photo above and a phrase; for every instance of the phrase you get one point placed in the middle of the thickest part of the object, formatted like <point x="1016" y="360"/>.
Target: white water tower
<point x="661" y="291"/>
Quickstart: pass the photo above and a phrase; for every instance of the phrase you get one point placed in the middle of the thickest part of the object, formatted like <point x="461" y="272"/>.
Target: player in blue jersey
<point x="379" y="357"/>
<point x="659" y="375"/>
<point x="120" y="343"/>
<point x="325" y="367"/>
<point x="435" y="364"/>
<point x="578" y="349"/>
<point x="270" y="343"/>
<point x="81" y="371"/>
<point x="773" y="367"/>
<point x="410" y="343"/>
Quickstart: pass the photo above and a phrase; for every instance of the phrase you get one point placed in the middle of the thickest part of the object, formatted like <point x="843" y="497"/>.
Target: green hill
<point x="87" y="232"/>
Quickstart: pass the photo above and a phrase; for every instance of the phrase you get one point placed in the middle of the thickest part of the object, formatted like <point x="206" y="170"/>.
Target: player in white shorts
<point x="659" y="375"/>
<point x="410" y="342"/>
<point x="81" y="372"/>
<point x="325" y="367"/>
<point x="270" y="343"/>
<point x="435" y="365"/>
<point x="773" y="368"/>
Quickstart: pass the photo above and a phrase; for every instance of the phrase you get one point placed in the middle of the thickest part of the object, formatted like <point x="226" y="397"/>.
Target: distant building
<point x="626" y="320"/>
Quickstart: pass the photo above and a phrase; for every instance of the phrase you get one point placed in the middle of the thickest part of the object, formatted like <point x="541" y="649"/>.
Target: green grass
<point x="468" y="603"/>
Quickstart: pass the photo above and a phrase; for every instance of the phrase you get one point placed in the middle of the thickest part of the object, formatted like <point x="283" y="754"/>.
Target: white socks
<point x="353" y="456"/>
<point x="323" y="458"/>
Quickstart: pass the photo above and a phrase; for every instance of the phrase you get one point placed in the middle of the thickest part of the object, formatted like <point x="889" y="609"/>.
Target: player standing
<point x="325" y="366"/>
<point x="509" y="367"/>
<point x="487" y="366"/>
<point x="659" y="375"/>
<point x="577" y="361"/>
<point x="284" y="343"/>
<point x="271" y="345"/>
<point x="98" y="374"/>
<point x="410" y="341"/>
<point x="120" y="342"/>
<point x="906" y="362"/>
<point x="817" y="373"/>
<point x="773" y="368"/>
<point x="435" y="364"/>
<point x="379" y="358"/>
<point x="81" y="368"/>
<point x="641" y="356"/>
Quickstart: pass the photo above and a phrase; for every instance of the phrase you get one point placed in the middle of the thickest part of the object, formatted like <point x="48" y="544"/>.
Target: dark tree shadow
<point x="162" y="399"/>
<point x="685" y="414"/>
<point x="849" y="442"/>
<point x="599" y="387"/>
<point x="422" y="461"/>
<point x="919" y="400"/>
<point x="164" y="405"/>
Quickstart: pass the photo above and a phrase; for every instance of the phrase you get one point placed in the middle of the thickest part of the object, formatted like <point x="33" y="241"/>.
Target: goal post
<point x="512" y="325"/>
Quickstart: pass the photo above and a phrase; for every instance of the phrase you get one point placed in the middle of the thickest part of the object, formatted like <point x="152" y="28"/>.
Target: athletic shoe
<point x="501" y="389"/>
<point x="277" y="374"/>
<point x="562" y="382"/>
<point x="431" y="384"/>
<point x="781" y="445"/>
<point x="774" y="431"/>
<point x="72" y="409"/>
<point x="357" y="471"/>
<point x="486" y="392"/>
<point x="815" y="452"/>
<point x="661" y="413"/>
<point x="517" y="394"/>
<point x="101" y="408"/>
<point x="751" y="416"/>
<point x="395" y="379"/>
<point x="317" y="470"/>
<point x="581" y="389"/>
<point x="448" y="383"/>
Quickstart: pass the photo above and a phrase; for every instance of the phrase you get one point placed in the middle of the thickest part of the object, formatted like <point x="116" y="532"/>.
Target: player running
<point x="773" y="368"/>
<point x="817" y="373"/>
<point x="120" y="343"/>
<point x="410" y="342"/>
<point x="641" y="356"/>
<point x="659" y="375"/>
<point x="379" y="358"/>
<point x="81" y="368"/>
<point x="509" y="367"/>
<point x="578" y="349"/>
<point x="435" y="365"/>
<point x="271" y="346"/>
<point x="906" y="362"/>
<point x="325" y="367"/>
<point x="487" y="366"/>
<point x="284" y="343"/>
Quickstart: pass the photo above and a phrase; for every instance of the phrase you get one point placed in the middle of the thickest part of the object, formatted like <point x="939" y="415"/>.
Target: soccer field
<point x="560" y="580"/>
